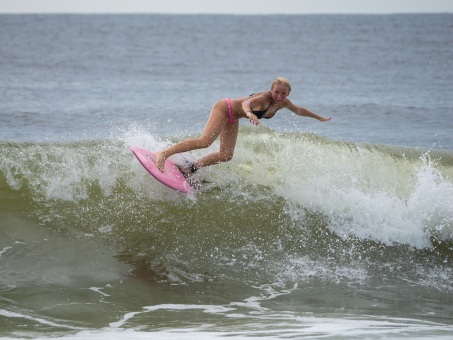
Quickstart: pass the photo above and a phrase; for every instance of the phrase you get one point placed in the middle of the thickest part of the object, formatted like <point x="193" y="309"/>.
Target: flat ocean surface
<point x="336" y="230"/>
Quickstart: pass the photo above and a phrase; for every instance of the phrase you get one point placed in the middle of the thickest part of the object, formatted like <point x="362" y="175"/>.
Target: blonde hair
<point x="281" y="81"/>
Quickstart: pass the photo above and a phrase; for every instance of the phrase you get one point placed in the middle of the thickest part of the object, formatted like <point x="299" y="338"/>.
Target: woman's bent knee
<point x="205" y="143"/>
<point x="227" y="157"/>
<point x="207" y="139"/>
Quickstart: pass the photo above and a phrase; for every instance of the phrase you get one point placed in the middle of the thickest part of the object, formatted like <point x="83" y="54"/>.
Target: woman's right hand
<point x="253" y="118"/>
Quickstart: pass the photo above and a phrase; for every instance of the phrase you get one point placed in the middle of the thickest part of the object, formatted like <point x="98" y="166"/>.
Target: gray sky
<point x="226" y="6"/>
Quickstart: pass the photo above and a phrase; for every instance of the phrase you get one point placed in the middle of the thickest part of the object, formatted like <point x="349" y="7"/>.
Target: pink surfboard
<point x="172" y="177"/>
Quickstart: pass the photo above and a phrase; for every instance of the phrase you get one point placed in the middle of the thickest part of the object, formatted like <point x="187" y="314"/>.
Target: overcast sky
<point x="226" y="6"/>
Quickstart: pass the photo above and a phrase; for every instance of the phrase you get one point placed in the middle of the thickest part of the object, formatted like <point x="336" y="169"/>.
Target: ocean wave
<point x="289" y="205"/>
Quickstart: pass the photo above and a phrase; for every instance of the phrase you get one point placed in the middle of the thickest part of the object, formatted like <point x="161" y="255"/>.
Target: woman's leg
<point x="217" y="121"/>
<point x="228" y="138"/>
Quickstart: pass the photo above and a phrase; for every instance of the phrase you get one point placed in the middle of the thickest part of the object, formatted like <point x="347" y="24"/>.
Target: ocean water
<point x="336" y="230"/>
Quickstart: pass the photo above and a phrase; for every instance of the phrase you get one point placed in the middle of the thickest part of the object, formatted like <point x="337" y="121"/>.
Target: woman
<point x="223" y="122"/>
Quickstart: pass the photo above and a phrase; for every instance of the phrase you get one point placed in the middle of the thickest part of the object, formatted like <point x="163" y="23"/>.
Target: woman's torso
<point x="265" y="109"/>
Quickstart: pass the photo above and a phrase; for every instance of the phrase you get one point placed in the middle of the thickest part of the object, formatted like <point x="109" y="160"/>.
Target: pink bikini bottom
<point x="231" y="119"/>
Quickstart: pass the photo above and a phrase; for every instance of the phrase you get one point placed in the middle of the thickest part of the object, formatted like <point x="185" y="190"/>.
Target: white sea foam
<point x="4" y="250"/>
<point x="8" y="314"/>
<point x="368" y="192"/>
<point x="283" y="327"/>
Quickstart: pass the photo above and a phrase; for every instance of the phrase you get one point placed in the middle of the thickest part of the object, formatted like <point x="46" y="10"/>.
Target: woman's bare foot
<point x="160" y="161"/>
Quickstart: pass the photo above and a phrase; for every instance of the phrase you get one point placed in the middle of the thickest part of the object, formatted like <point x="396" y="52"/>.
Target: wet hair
<point x="281" y="81"/>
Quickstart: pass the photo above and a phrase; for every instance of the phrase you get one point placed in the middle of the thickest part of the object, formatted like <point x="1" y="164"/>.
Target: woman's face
<point x="279" y="93"/>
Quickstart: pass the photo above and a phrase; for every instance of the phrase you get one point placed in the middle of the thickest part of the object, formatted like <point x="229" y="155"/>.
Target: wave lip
<point x="388" y="195"/>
